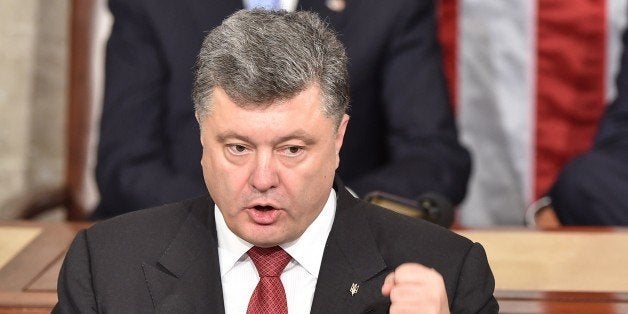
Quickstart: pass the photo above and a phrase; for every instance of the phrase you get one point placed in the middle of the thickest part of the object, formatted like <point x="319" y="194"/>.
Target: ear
<point x="200" y="128"/>
<point x="340" y="133"/>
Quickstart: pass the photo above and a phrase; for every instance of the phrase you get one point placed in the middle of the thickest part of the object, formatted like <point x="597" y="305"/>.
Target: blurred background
<point x="33" y="95"/>
<point x="528" y="80"/>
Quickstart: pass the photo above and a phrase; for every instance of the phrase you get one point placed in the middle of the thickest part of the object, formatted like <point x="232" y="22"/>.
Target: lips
<point x="263" y="214"/>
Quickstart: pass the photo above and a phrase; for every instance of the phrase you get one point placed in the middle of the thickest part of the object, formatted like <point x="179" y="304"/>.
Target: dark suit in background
<point x="402" y="137"/>
<point x="593" y="188"/>
<point x="165" y="260"/>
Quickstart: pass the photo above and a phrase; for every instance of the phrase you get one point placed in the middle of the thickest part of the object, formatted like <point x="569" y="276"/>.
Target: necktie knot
<point x="269" y="262"/>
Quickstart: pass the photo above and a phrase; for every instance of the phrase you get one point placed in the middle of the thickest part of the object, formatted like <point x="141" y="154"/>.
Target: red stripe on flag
<point x="571" y="50"/>
<point x="448" y="37"/>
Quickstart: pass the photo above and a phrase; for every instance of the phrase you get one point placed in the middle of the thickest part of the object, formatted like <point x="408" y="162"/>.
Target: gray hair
<point x="259" y="56"/>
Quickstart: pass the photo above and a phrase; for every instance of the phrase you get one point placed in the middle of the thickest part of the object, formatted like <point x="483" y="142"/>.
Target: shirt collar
<point x="307" y="250"/>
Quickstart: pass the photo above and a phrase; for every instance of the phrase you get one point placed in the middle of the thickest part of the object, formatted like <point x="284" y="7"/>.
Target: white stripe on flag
<point x="496" y="92"/>
<point x="615" y="25"/>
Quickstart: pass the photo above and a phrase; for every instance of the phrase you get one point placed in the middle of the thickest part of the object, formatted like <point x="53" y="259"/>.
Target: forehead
<point x="301" y="114"/>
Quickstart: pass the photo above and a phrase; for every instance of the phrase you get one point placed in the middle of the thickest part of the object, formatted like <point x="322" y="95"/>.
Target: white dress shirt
<point x="239" y="275"/>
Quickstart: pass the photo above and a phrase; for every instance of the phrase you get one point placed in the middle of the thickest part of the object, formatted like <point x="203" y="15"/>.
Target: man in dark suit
<point x="270" y="95"/>
<point x="403" y="138"/>
<point x="592" y="189"/>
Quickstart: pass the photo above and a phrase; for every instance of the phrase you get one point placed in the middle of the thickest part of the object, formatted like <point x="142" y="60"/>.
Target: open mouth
<point x="264" y="214"/>
<point x="263" y="208"/>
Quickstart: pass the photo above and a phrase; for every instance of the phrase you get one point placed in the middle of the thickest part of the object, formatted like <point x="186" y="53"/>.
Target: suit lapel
<point x="187" y="275"/>
<point x="351" y="260"/>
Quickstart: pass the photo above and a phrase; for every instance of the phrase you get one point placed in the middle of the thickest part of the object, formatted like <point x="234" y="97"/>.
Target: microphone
<point x="430" y="206"/>
<point x="438" y="208"/>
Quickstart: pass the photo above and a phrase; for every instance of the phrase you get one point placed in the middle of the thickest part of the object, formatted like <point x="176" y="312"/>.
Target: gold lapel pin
<point x="354" y="288"/>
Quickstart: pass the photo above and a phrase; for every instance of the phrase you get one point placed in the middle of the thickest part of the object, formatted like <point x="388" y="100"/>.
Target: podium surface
<point x="570" y="270"/>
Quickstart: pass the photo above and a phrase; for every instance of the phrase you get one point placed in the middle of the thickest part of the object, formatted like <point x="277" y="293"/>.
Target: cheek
<point x="214" y="162"/>
<point x="213" y="172"/>
<point x="222" y="176"/>
<point x="208" y="162"/>
<point x="209" y="172"/>
<point x="330" y="161"/>
<point x="312" y="177"/>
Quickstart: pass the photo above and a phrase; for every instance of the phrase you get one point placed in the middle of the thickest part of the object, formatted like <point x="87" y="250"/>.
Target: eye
<point x="292" y="151"/>
<point x="237" y="149"/>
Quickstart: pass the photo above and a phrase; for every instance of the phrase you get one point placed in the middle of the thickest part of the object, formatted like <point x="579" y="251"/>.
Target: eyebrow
<point x="296" y="135"/>
<point x="224" y="136"/>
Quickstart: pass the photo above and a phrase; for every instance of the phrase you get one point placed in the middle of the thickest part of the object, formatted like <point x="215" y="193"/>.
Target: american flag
<point x="529" y="80"/>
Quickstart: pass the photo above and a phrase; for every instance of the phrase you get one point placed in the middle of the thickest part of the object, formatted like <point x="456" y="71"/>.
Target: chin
<point x="266" y="242"/>
<point x="263" y="237"/>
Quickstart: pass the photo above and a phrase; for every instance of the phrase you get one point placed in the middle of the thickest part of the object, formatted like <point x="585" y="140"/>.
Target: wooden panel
<point x="561" y="302"/>
<point x="79" y="107"/>
<point x="13" y="240"/>
<point x="572" y="260"/>
<point x="47" y="281"/>
<point x="28" y="281"/>
<point x="37" y="257"/>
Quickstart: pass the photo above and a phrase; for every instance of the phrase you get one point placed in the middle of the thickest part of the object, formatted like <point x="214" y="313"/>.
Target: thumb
<point x="389" y="282"/>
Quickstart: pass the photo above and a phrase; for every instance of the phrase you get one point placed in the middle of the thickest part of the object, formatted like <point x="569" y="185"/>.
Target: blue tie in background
<point x="264" y="4"/>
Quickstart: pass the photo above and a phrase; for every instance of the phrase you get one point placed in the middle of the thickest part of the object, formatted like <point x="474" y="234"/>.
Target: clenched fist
<point x="414" y="288"/>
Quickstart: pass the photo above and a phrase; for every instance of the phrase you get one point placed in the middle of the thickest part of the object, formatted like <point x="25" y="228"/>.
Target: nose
<point x="264" y="176"/>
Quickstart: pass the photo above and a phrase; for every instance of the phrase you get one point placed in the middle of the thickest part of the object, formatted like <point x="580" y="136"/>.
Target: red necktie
<point x="269" y="296"/>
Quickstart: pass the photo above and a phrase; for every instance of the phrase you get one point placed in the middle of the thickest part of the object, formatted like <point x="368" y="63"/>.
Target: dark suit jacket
<point x="165" y="259"/>
<point x="401" y="138"/>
